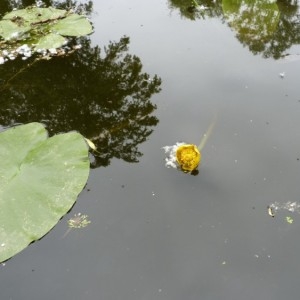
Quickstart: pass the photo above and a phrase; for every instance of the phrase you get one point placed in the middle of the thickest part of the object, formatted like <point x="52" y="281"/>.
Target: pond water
<point x="156" y="232"/>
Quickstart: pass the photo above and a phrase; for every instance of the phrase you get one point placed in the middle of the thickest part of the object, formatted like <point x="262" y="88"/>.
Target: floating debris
<point x="171" y="160"/>
<point x="271" y="212"/>
<point x="91" y="144"/>
<point x="289" y="206"/>
<point x="39" y="3"/>
<point x="282" y="75"/>
<point x="78" y="221"/>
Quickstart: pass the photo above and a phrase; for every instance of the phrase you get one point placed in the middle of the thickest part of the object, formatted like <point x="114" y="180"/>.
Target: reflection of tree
<point x="192" y="9"/>
<point x="84" y="6"/>
<point x="106" y="99"/>
<point x="288" y="30"/>
<point x="254" y="21"/>
<point x="277" y="24"/>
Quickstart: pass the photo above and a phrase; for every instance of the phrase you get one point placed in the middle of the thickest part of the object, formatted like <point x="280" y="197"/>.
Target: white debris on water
<point x="289" y="206"/>
<point x="14" y="48"/>
<point x="282" y="75"/>
<point x="25" y="51"/>
<point x="171" y="155"/>
<point x="52" y="51"/>
<point x="39" y="3"/>
<point x="79" y="46"/>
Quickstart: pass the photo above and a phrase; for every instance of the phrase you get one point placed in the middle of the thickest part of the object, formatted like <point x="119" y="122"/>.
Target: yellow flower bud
<point x="188" y="157"/>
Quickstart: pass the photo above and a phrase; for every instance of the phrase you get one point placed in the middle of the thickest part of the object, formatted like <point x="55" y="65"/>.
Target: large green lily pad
<point x="41" y="178"/>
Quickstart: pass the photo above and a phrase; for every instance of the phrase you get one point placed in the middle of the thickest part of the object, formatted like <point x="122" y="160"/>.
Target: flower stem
<point x="207" y="133"/>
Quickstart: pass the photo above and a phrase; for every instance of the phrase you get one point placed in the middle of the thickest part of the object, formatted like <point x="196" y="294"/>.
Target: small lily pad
<point x="10" y="30"/>
<point x="49" y="41"/>
<point x="73" y="25"/>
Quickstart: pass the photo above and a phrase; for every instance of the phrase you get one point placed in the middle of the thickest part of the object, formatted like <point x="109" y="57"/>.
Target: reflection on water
<point x="104" y="97"/>
<point x="85" y="7"/>
<point x="254" y="21"/>
<point x="266" y="27"/>
<point x="197" y="9"/>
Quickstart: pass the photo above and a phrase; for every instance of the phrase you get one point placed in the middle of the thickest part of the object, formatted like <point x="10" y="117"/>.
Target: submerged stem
<point x="194" y="2"/>
<point x="7" y="83"/>
<point x="207" y="133"/>
<point x="65" y="234"/>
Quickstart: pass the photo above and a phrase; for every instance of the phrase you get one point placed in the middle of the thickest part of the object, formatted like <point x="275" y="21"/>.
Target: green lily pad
<point x="41" y="178"/>
<point x="73" y="25"/>
<point x="49" y="41"/>
<point x="10" y="30"/>
<point x="35" y="14"/>
<point x="41" y="28"/>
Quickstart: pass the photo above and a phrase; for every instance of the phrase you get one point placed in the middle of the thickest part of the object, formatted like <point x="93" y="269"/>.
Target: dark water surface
<point x="157" y="233"/>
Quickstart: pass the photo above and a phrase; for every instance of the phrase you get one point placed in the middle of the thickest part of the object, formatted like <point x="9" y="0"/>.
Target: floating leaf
<point x="289" y="220"/>
<point x="40" y="28"/>
<point x="10" y="30"/>
<point x="41" y="178"/>
<point x="36" y="14"/>
<point x="49" y="41"/>
<point x="73" y="25"/>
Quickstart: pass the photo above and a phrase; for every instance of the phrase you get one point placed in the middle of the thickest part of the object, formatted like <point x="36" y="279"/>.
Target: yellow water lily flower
<point x="188" y="157"/>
